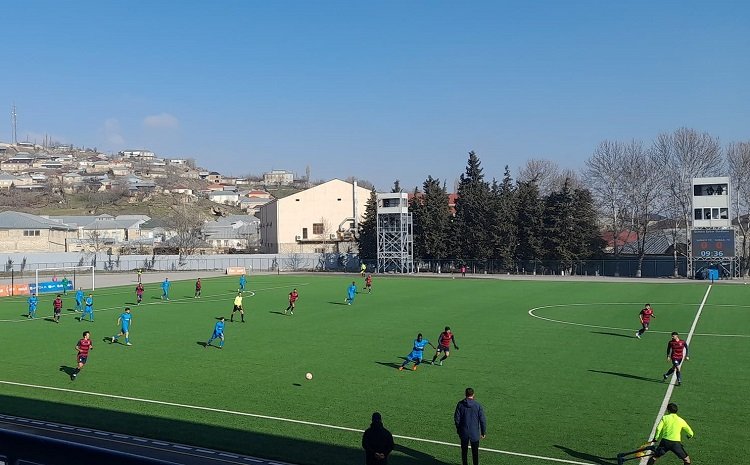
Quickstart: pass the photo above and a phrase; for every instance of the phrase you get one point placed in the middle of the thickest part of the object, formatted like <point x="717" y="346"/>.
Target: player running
<point x="79" y="299"/>
<point x="416" y="352"/>
<point x="444" y="345"/>
<point x="124" y="320"/>
<point x="139" y="293"/>
<point x="669" y="434"/>
<point x="645" y="317"/>
<point x="351" y="292"/>
<point x="218" y="334"/>
<point x="677" y="350"/>
<point x="368" y="283"/>
<point x="89" y="308"/>
<point x="293" y="296"/>
<point x="198" y="287"/>
<point x="238" y="308"/>
<point x="83" y="347"/>
<point x="33" y="302"/>
<point x="57" y="306"/>
<point x="165" y="289"/>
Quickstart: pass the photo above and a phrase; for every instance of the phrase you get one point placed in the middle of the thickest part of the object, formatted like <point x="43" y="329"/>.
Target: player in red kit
<point x="57" y="305"/>
<point x="293" y="296"/>
<point x="368" y="283"/>
<point x="677" y="350"/>
<point x="645" y="317"/>
<point x="444" y="345"/>
<point x="198" y="287"/>
<point x="83" y="347"/>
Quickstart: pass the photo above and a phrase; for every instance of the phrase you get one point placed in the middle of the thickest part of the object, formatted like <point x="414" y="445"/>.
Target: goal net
<point x="64" y="279"/>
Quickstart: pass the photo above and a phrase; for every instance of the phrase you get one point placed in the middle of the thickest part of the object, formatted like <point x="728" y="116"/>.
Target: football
<point x="308" y="375"/>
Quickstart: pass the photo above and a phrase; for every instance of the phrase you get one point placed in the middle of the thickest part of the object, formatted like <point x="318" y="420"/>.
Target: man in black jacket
<point x="470" y="426"/>
<point x="377" y="442"/>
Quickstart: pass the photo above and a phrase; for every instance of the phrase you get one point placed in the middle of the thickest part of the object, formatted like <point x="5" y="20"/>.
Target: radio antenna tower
<point x="14" y="136"/>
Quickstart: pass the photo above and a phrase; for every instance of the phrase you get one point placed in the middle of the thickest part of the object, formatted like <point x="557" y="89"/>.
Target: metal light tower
<point x="395" y="237"/>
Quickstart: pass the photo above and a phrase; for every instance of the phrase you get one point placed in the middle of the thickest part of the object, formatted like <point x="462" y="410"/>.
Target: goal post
<point x="51" y="279"/>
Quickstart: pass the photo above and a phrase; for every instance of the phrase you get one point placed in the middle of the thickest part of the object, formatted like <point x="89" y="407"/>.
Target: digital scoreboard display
<point x="713" y="243"/>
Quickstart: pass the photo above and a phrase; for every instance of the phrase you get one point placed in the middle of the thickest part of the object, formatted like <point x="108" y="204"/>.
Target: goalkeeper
<point x="669" y="434"/>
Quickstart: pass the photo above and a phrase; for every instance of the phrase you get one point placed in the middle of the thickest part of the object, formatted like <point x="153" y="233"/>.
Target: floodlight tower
<point x="395" y="237"/>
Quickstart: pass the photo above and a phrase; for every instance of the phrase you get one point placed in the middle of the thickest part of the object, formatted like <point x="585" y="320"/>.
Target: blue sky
<point x="377" y="90"/>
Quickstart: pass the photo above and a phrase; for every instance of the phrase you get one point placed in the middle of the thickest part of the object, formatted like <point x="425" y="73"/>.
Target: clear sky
<point x="379" y="90"/>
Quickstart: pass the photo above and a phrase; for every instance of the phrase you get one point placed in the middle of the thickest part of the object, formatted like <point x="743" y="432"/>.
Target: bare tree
<point x="640" y="176"/>
<point x="545" y="173"/>
<point x="738" y="161"/>
<point x="607" y="183"/>
<point x="681" y="156"/>
<point x="186" y="226"/>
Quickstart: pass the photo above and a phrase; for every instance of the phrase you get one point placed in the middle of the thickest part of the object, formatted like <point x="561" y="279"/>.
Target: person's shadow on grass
<point x="337" y="303"/>
<point x="588" y="457"/>
<point x="67" y="370"/>
<point x="277" y="312"/>
<point x="389" y="364"/>
<point x="613" y="334"/>
<point x="627" y="375"/>
<point x="419" y="456"/>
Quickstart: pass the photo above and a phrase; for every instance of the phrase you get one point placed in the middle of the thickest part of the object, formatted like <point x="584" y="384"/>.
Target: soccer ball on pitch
<point x="308" y="375"/>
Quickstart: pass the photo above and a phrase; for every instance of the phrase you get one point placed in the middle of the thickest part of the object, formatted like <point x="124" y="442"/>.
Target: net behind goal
<point x="63" y="279"/>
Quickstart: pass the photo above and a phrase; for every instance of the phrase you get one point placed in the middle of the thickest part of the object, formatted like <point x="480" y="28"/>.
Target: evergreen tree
<point x="529" y="223"/>
<point x="470" y="226"/>
<point x="587" y="237"/>
<point x="504" y="226"/>
<point x="559" y="225"/>
<point x="367" y="241"/>
<point x="432" y="221"/>
<point x="396" y="186"/>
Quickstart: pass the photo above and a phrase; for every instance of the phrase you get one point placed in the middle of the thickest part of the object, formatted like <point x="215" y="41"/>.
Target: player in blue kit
<point x="33" y="302"/>
<point x="79" y="299"/>
<point x="218" y="334"/>
<point x="124" y="321"/>
<point x="351" y="292"/>
<point x="89" y="309"/>
<point x="165" y="289"/>
<point x="243" y="281"/>
<point x="416" y="352"/>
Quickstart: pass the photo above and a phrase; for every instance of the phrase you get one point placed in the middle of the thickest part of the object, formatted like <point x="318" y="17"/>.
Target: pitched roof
<point x="19" y="220"/>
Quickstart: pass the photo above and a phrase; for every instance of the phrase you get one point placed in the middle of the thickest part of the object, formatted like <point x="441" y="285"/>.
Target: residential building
<point x="224" y="197"/>
<point x="23" y="232"/>
<point x="239" y="232"/>
<point x="316" y="220"/>
<point x="278" y="178"/>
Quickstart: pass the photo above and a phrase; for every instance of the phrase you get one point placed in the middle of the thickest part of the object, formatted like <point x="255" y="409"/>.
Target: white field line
<point x="552" y="320"/>
<point x="670" y="388"/>
<point x="248" y="293"/>
<point x="268" y="417"/>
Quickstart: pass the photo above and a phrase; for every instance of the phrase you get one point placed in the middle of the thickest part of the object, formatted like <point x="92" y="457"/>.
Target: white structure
<point x="711" y="203"/>
<point x="712" y="238"/>
<point x="395" y="237"/>
<point x="137" y="154"/>
<point x="321" y="219"/>
<point x="278" y="178"/>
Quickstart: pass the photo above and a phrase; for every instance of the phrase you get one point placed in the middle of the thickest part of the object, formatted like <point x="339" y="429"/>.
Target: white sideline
<point x="288" y="420"/>
<point x="670" y="388"/>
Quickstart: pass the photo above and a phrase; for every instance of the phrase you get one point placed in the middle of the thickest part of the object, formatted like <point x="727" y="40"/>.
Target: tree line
<point x="550" y="213"/>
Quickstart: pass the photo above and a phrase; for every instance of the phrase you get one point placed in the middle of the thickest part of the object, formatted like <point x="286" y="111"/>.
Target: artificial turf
<point x="579" y="392"/>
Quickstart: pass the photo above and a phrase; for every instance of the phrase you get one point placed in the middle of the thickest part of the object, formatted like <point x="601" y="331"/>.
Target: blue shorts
<point x="124" y="329"/>
<point x="82" y="359"/>
<point x="414" y="356"/>
<point x="217" y="336"/>
<point x="88" y="310"/>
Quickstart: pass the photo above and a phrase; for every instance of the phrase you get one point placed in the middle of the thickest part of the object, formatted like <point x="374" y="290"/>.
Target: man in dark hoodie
<point x="377" y="442"/>
<point x="470" y="426"/>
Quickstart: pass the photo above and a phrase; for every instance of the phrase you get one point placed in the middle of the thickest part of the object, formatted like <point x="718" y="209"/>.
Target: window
<point x="317" y="228"/>
<point x="304" y="233"/>
<point x="698" y="214"/>
<point x="724" y="214"/>
<point x="31" y="232"/>
<point x="320" y="250"/>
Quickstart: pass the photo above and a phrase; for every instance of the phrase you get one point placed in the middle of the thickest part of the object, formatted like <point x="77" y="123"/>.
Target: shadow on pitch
<point x="201" y="343"/>
<point x="337" y="303"/>
<point x="613" y="334"/>
<point x="389" y="364"/>
<point x="277" y="312"/>
<point x="67" y="370"/>
<point x="588" y="457"/>
<point x="627" y="375"/>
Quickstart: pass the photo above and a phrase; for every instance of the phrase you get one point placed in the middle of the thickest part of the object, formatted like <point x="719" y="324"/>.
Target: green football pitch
<point x="555" y="365"/>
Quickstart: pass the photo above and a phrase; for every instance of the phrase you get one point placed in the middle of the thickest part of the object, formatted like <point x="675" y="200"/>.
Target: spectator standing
<point x="377" y="442"/>
<point x="471" y="426"/>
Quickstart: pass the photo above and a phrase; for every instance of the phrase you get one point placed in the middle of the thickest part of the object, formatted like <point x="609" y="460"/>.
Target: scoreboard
<point x="713" y="243"/>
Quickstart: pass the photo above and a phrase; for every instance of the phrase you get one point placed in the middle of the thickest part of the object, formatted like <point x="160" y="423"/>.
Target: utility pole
<point x="14" y="123"/>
